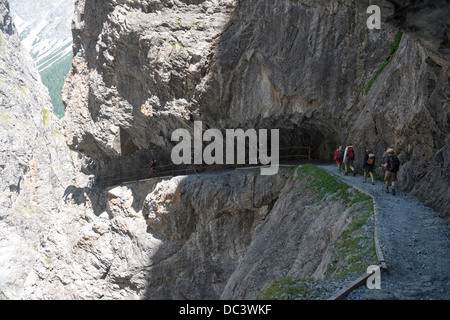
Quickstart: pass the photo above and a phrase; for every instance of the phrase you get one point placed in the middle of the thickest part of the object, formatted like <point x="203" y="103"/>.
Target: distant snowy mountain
<point x="45" y="28"/>
<point x="45" y="31"/>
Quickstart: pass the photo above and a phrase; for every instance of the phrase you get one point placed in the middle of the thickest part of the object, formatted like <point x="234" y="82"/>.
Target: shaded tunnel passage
<point x="115" y="170"/>
<point x="127" y="145"/>
<point x="322" y="145"/>
<point x="297" y="143"/>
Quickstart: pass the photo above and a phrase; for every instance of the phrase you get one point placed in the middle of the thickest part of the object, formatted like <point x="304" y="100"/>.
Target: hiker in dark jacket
<point x="369" y="162"/>
<point x="339" y="157"/>
<point x="392" y="164"/>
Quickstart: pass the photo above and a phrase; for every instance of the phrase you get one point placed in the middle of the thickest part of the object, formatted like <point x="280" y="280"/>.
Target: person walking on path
<point x="369" y="162"/>
<point x="349" y="157"/>
<point x="392" y="164"/>
<point x="152" y="172"/>
<point x="339" y="157"/>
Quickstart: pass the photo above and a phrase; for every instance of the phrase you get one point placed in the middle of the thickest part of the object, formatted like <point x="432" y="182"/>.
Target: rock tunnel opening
<point x="127" y="145"/>
<point x="297" y="143"/>
<point x="316" y="142"/>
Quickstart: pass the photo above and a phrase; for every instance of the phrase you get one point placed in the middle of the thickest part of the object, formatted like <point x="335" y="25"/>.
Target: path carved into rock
<point x="414" y="243"/>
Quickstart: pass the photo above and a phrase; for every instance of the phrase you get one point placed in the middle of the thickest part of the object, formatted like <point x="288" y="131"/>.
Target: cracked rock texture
<point x="145" y="68"/>
<point x="35" y="163"/>
<point x="188" y="237"/>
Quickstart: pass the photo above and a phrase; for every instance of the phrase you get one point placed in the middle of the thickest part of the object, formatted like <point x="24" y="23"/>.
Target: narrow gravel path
<point x="414" y="242"/>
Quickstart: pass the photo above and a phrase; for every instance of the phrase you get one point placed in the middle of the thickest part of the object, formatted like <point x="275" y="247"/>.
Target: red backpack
<point x="351" y="153"/>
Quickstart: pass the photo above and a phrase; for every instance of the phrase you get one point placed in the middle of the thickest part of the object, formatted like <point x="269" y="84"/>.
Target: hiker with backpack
<point x="392" y="164"/>
<point x="349" y="157"/>
<point x="339" y="157"/>
<point x="369" y="162"/>
<point x="152" y="172"/>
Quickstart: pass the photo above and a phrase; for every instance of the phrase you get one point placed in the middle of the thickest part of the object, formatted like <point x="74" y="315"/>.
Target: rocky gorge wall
<point x="191" y="237"/>
<point x="145" y="68"/>
<point x="36" y="166"/>
<point x="187" y="237"/>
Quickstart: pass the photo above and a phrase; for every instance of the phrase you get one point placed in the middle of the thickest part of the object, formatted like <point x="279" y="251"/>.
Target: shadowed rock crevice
<point x="143" y="69"/>
<point x="235" y="64"/>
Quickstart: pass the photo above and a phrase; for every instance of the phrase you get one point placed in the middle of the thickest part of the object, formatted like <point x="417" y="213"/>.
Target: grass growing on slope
<point x="289" y="288"/>
<point x="324" y="185"/>
<point x="394" y="47"/>
<point x="355" y="250"/>
<point x="320" y="181"/>
<point x="46" y="117"/>
<point x="352" y="253"/>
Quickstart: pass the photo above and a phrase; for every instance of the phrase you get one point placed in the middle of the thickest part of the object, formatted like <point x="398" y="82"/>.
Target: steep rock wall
<point x="186" y="237"/>
<point x="36" y="165"/>
<point x="148" y="70"/>
<point x="143" y="69"/>
<point x="212" y="236"/>
<point x="408" y="106"/>
<point x="408" y="109"/>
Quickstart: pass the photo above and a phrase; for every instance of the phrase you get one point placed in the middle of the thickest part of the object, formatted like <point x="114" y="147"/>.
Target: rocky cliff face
<point x="426" y="22"/>
<point x="143" y="69"/>
<point x="35" y="163"/>
<point x="190" y="237"/>
<point x="408" y="106"/>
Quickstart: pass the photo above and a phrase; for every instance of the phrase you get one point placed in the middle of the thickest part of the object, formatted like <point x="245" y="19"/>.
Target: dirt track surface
<point x="414" y="242"/>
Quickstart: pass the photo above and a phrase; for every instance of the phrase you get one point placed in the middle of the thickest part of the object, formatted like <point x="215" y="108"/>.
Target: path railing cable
<point x="143" y="173"/>
<point x="174" y="170"/>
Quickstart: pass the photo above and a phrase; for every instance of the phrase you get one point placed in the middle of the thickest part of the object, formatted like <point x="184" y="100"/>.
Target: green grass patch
<point x="398" y="38"/>
<point x="394" y="47"/>
<point x="359" y="197"/>
<point x="353" y="252"/>
<point x="321" y="182"/>
<point x="179" y="45"/>
<point x="290" y="288"/>
<point x="379" y="71"/>
<point x="324" y="185"/>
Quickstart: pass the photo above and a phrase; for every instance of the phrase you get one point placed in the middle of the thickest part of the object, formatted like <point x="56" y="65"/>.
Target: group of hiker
<point x="347" y="157"/>
<point x="391" y="164"/>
